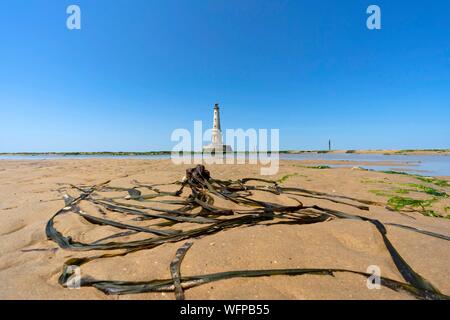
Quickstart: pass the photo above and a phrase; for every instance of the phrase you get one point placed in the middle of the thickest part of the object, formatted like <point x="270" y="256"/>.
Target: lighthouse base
<point x="217" y="148"/>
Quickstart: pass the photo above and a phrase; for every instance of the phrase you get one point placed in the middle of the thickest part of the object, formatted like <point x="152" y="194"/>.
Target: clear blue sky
<point x="139" y="69"/>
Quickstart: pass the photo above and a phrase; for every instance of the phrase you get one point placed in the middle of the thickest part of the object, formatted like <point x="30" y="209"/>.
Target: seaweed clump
<point x="399" y="203"/>
<point x="196" y="206"/>
<point x="319" y="167"/>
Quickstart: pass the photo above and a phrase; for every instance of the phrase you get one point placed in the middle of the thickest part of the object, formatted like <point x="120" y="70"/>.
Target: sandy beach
<point x="32" y="191"/>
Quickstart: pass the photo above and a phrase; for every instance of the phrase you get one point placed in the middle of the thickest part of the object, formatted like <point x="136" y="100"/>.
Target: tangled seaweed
<point x="198" y="208"/>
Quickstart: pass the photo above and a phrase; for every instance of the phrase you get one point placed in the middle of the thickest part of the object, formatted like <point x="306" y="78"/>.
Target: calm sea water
<point x="435" y="165"/>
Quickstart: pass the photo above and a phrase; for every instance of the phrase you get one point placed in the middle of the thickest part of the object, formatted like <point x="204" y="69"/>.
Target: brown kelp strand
<point x="193" y="204"/>
<point x="428" y="233"/>
<point x="112" y="287"/>
<point x="173" y="215"/>
<point x="175" y="270"/>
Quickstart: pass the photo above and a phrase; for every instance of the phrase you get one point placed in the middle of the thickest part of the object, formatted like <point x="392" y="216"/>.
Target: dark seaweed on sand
<point x="212" y="219"/>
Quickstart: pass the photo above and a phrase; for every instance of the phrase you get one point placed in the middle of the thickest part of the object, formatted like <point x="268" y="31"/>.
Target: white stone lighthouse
<point x="216" y="135"/>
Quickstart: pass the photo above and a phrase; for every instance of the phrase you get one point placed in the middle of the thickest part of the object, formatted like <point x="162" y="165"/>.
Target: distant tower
<point x="216" y="135"/>
<point x="329" y="145"/>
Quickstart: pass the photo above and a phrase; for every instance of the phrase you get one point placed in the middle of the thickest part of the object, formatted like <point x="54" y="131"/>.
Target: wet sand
<point x="31" y="192"/>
